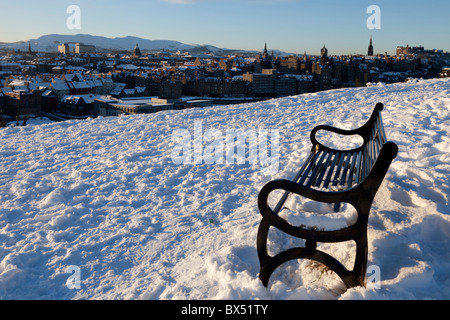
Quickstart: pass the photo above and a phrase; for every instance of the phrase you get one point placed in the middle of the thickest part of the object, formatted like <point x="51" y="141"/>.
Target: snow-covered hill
<point x="105" y="198"/>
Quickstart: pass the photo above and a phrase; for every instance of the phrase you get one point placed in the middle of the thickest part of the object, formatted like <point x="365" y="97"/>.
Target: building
<point x="169" y="89"/>
<point x="215" y="87"/>
<point x="136" y="52"/>
<point x="60" y="88"/>
<point x="78" y="105"/>
<point x="445" y="72"/>
<point x="49" y="101"/>
<point x="403" y="50"/>
<point x="370" y="50"/>
<point x="83" y="48"/>
<point x="323" y="55"/>
<point x="290" y="65"/>
<point x="107" y="107"/>
<point x="79" y="87"/>
<point x="23" y="102"/>
<point x="326" y="78"/>
<point x="418" y="50"/>
<point x="8" y="68"/>
<point x="262" y="84"/>
<point x="264" y="61"/>
<point x="285" y="86"/>
<point x="64" y="48"/>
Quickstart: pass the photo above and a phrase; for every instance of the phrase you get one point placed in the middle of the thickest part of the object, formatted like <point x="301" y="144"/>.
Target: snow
<point x="104" y="197"/>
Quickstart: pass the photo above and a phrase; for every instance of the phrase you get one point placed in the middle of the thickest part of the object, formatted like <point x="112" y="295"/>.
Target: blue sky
<point x="290" y="25"/>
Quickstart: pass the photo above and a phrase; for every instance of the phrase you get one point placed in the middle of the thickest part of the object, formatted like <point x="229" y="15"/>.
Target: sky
<point x="294" y="26"/>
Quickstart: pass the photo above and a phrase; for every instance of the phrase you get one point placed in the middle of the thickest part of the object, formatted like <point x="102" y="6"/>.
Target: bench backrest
<point x="374" y="138"/>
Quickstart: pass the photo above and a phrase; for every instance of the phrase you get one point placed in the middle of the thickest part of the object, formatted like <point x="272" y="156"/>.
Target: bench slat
<point x="372" y="144"/>
<point x="370" y="157"/>
<point x="378" y="139"/>
<point x="345" y="169"/>
<point x="330" y="172"/>
<point x="353" y="169"/>
<point x="349" y="174"/>
<point x="297" y="176"/>
<point x="319" y="166"/>
<point x="310" y="167"/>
<point x="366" y="162"/>
<point x="307" y="162"/>
<point x="377" y="148"/>
<point x="338" y="169"/>
<point x="383" y="133"/>
<point x="359" y="167"/>
<point x="382" y="137"/>
<point x="327" y="166"/>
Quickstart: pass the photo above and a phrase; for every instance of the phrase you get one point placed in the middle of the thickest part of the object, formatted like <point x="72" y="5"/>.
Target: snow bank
<point x="104" y="195"/>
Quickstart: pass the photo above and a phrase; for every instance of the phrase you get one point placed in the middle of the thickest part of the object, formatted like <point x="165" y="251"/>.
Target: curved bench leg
<point x="269" y="264"/>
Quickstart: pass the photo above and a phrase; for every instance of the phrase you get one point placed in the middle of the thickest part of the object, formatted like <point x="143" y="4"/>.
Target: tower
<point x="29" y="48"/>
<point x="137" y="51"/>
<point x="370" y="51"/>
<point x="266" y="60"/>
<point x="265" y="54"/>
<point x="323" y="55"/>
<point x="324" y="52"/>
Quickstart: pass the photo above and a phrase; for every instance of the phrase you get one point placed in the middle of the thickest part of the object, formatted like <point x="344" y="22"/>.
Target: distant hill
<point x="50" y="43"/>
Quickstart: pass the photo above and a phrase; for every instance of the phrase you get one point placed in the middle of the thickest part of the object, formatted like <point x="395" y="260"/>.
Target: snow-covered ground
<point x="102" y="199"/>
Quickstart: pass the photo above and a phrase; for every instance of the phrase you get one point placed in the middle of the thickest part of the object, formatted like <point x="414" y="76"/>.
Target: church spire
<point x="370" y="51"/>
<point x="265" y="53"/>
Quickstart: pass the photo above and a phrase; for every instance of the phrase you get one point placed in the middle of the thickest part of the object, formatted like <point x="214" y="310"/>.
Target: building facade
<point x="64" y="48"/>
<point x="19" y="102"/>
<point x="83" y="48"/>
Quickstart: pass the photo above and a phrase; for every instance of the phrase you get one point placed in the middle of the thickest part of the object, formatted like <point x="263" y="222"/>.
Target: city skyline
<point x="293" y="26"/>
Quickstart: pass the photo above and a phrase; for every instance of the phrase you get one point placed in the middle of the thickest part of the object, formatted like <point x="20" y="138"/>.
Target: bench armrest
<point x="331" y="129"/>
<point x="363" y="131"/>
<point x="290" y="186"/>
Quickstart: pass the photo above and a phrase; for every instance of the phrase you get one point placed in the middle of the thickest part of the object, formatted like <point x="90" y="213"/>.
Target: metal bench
<point x="358" y="173"/>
